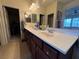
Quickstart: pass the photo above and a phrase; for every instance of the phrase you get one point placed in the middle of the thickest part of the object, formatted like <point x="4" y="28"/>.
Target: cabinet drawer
<point x="52" y="53"/>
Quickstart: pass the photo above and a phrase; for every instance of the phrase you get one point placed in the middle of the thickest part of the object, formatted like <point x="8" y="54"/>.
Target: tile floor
<point x="15" y="49"/>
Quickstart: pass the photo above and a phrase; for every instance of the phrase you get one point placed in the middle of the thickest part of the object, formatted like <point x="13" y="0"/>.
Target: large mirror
<point x="34" y="18"/>
<point x="68" y="15"/>
<point x="56" y="13"/>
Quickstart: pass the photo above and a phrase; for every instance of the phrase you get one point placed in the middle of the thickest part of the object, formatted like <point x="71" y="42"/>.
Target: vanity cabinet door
<point x="25" y="34"/>
<point x="53" y="54"/>
<point x="33" y="49"/>
<point x="38" y="41"/>
<point x="67" y="56"/>
<point x="41" y="54"/>
<point x="28" y="37"/>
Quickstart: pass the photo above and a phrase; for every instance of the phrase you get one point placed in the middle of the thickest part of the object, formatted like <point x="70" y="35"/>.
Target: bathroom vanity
<point x="45" y="45"/>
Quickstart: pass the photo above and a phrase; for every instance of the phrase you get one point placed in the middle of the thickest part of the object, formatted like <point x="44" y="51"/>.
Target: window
<point x="71" y="22"/>
<point x="75" y="22"/>
<point x="67" y="22"/>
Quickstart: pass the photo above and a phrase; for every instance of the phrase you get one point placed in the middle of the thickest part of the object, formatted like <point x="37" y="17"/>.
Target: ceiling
<point x="41" y="2"/>
<point x="65" y="1"/>
<point x="47" y="2"/>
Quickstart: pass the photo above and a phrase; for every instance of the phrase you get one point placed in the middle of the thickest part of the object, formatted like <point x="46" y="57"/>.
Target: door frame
<point x="6" y="22"/>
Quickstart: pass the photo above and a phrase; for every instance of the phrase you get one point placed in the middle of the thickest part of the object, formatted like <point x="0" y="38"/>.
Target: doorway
<point x="13" y="21"/>
<point x="50" y="20"/>
<point x="41" y="19"/>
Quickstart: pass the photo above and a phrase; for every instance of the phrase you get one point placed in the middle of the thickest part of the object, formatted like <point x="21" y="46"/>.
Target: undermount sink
<point x="46" y="32"/>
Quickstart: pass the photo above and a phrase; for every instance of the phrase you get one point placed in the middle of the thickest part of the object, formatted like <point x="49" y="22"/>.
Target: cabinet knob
<point x="47" y="53"/>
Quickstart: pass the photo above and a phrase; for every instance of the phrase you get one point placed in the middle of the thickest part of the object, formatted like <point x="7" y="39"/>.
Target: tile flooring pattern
<point x="15" y="50"/>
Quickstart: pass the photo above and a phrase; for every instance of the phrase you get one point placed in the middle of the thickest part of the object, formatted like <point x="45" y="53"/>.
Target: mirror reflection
<point x="54" y="13"/>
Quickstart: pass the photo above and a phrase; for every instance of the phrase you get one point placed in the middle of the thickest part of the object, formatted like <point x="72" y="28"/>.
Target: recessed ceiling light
<point x="34" y="6"/>
<point x="44" y="0"/>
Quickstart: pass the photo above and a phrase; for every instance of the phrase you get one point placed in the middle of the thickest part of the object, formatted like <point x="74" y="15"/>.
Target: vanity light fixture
<point x="26" y="15"/>
<point x="44" y="0"/>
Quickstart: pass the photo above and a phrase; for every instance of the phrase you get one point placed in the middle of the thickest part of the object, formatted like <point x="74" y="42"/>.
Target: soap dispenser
<point x="37" y="25"/>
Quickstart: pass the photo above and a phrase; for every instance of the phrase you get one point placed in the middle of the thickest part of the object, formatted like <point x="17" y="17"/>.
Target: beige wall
<point x="60" y="6"/>
<point x="22" y="5"/>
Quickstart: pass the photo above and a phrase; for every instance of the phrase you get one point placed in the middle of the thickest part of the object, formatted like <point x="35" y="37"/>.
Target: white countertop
<point x="58" y="40"/>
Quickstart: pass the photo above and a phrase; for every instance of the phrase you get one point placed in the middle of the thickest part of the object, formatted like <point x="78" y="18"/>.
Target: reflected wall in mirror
<point x="71" y="18"/>
<point x="59" y="19"/>
<point x="42" y="19"/>
<point x="34" y="18"/>
<point x="28" y="19"/>
<point x="70" y="15"/>
<point x="50" y="20"/>
<point x="62" y="10"/>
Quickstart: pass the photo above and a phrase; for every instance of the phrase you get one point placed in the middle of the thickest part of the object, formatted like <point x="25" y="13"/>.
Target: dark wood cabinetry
<point x="41" y="54"/>
<point x="33" y="49"/>
<point x="38" y="42"/>
<point x="52" y="53"/>
<point x="67" y="56"/>
<point x="41" y="50"/>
